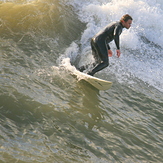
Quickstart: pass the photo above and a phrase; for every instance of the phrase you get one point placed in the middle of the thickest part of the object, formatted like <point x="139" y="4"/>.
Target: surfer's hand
<point x="118" y="53"/>
<point x="110" y="53"/>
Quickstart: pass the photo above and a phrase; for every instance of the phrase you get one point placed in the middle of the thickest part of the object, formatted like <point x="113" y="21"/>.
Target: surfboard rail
<point x="98" y="83"/>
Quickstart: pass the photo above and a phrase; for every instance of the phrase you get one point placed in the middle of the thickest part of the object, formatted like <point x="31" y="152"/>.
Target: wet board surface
<point x="98" y="83"/>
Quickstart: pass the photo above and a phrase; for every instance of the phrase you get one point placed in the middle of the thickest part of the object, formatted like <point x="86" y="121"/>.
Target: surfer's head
<point x="126" y="21"/>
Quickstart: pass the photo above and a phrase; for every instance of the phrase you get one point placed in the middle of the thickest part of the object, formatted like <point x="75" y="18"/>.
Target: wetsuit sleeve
<point x="117" y="32"/>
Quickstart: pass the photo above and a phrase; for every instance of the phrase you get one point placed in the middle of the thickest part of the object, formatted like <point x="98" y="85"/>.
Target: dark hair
<point x="126" y="17"/>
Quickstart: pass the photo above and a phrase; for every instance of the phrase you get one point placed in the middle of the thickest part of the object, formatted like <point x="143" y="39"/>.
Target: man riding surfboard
<point x="100" y="43"/>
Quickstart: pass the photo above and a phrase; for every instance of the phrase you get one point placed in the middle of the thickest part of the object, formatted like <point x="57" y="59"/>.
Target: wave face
<point x="46" y="115"/>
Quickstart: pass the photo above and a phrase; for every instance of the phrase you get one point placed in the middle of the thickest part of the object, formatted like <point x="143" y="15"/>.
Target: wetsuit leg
<point x="95" y="55"/>
<point x="102" y="52"/>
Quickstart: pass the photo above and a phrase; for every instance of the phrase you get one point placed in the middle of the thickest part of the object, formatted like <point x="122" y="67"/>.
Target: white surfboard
<point x="100" y="84"/>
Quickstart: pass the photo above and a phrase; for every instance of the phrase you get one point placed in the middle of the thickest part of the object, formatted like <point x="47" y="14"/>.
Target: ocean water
<point x="47" y="115"/>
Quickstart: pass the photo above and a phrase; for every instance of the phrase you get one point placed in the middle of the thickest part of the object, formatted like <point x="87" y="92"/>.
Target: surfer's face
<point x="127" y="24"/>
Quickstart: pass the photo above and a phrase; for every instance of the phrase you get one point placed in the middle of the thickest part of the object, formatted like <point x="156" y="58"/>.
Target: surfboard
<point x="98" y="83"/>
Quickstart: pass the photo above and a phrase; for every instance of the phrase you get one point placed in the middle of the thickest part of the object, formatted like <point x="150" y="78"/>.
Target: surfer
<point x="100" y="43"/>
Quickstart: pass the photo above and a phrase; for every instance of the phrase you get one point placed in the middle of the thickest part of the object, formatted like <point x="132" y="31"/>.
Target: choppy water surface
<point x="46" y="115"/>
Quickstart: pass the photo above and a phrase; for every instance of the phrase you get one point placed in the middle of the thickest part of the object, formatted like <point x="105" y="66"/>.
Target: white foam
<point x="141" y="45"/>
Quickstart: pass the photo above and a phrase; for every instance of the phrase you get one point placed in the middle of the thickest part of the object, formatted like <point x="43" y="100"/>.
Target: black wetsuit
<point x="100" y="46"/>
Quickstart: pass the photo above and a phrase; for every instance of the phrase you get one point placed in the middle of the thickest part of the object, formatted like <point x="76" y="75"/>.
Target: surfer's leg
<point x="99" y="67"/>
<point x="95" y="52"/>
<point x="103" y="54"/>
<point x="95" y="55"/>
